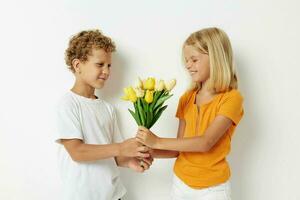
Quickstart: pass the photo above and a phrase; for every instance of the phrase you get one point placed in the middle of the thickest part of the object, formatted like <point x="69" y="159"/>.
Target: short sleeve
<point x="67" y="122"/>
<point x="231" y="106"/>
<point x="117" y="137"/>
<point x="180" y="108"/>
<point x="183" y="101"/>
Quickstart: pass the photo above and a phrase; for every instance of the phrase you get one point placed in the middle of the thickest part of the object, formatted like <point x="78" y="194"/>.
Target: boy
<point x="91" y="147"/>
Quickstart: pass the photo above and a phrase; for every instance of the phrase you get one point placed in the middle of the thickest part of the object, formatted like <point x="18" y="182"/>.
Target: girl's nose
<point x="188" y="65"/>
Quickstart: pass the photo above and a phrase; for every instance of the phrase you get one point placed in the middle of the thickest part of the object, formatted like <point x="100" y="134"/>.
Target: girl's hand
<point x="146" y="137"/>
<point x="132" y="148"/>
<point x="140" y="165"/>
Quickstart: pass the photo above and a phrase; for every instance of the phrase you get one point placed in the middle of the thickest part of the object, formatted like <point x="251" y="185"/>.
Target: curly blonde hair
<point x="82" y="44"/>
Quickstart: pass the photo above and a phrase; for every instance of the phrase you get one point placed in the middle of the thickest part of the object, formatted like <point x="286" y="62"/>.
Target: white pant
<point x="180" y="191"/>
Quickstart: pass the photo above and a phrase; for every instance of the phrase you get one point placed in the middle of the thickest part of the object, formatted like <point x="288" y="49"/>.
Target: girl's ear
<point x="76" y="66"/>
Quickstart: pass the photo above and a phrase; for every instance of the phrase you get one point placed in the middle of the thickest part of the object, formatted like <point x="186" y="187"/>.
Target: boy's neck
<point x="84" y="90"/>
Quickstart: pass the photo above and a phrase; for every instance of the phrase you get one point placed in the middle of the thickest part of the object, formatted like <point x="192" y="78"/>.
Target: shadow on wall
<point x="246" y="136"/>
<point x="113" y="87"/>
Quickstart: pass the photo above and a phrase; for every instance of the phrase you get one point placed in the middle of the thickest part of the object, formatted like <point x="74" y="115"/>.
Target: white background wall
<point x="149" y="35"/>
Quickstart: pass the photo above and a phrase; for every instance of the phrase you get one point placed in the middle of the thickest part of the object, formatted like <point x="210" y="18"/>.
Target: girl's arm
<point x="193" y="144"/>
<point x="158" y="153"/>
<point x="79" y="151"/>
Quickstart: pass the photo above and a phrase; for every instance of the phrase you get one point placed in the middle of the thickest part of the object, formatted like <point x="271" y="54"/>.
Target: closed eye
<point x="100" y="64"/>
<point x="194" y="59"/>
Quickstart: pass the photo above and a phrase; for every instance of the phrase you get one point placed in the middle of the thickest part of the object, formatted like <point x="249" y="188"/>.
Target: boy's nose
<point x="105" y="70"/>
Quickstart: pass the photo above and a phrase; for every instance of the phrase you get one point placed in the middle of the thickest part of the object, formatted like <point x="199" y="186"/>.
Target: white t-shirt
<point x="93" y="121"/>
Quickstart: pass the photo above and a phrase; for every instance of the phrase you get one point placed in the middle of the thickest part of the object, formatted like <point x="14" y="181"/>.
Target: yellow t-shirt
<point x="196" y="169"/>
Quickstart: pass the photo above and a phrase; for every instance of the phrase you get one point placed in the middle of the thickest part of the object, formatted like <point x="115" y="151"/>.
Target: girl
<point x="208" y="115"/>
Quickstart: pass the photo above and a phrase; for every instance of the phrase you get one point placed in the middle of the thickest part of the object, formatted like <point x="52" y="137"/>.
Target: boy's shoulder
<point x="67" y="100"/>
<point x="109" y="106"/>
<point x="73" y="101"/>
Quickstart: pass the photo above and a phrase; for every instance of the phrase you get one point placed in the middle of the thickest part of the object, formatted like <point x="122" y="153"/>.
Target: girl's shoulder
<point x="187" y="95"/>
<point x="233" y="94"/>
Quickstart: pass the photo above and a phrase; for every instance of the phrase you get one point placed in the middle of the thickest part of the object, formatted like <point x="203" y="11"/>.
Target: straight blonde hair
<point x="215" y="43"/>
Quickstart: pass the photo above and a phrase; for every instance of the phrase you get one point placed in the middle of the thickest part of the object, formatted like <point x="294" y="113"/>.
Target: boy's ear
<point x="75" y="65"/>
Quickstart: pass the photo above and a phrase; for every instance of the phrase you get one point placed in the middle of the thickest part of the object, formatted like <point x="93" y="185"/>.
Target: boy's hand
<point x="146" y="137"/>
<point x="132" y="148"/>
<point x="140" y="165"/>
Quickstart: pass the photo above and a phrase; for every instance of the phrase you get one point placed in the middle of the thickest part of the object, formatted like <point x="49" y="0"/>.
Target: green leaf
<point x="149" y="118"/>
<point x="136" y="112"/>
<point x="157" y="115"/>
<point x="141" y="112"/>
<point x="135" y="117"/>
<point x="161" y="100"/>
<point x="157" y="94"/>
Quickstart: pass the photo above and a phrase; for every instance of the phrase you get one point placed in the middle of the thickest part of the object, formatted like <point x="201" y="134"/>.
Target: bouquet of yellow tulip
<point x="148" y="98"/>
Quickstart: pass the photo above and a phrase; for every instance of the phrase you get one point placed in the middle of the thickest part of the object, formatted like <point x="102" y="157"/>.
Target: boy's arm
<point x="158" y="153"/>
<point x="79" y="151"/>
<point x="136" y="164"/>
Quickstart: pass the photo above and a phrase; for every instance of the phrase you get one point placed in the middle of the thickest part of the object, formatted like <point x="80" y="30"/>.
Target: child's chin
<point x="98" y="85"/>
<point x="195" y="79"/>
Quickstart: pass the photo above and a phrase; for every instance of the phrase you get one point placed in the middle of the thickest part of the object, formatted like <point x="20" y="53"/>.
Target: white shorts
<point x="181" y="191"/>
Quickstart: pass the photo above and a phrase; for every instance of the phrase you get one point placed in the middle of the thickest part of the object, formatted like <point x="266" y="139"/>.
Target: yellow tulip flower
<point x="149" y="96"/>
<point x="160" y="86"/>
<point x="139" y="83"/>
<point x="130" y="95"/>
<point x="170" y="85"/>
<point x="149" y="84"/>
<point x="139" y="92"/>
